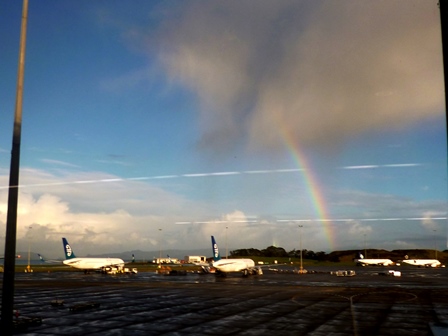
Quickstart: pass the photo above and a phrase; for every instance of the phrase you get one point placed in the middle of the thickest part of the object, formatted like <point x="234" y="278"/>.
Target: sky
<point x="153" y="125"/>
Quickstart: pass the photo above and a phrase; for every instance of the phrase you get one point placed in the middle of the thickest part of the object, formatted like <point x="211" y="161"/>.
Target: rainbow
<point x="312" y="186"/>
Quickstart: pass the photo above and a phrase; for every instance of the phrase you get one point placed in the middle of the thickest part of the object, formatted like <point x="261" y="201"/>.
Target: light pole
<point x="300" y="243"/>
<point x="365" y="248"/>
<point x="226" y="244"/>
<point x="28" y="268"/>
<point x="435" y="243"/>
<point x="160" y="247"/>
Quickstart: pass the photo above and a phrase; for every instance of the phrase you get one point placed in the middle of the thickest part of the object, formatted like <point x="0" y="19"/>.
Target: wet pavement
<point x="370" y="303"/>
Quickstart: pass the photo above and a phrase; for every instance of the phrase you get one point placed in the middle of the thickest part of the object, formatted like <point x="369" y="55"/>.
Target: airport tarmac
<point x="369" y="303"/>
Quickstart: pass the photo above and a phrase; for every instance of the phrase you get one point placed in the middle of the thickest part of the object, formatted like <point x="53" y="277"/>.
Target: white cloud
<point x="357" y="229"/>
<point x="428" y="223"/>
<point x="97" y="216"/>
<point x="59" y="163"/>
<point x="110" y="214"/>
<point x="402" y="245"/>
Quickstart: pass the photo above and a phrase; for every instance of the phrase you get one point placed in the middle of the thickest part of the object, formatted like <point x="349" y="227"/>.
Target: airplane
<point x="88" y="264"/>
<point x="224" y="266"/>
<point x="423" y="262"/>
<point x="51" y="261"/>
<point x="361" y="261"/>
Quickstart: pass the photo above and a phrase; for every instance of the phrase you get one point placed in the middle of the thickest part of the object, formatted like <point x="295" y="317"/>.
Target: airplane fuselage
<point x="233" y="265"/>
<point x="374" y="262"/>
<point x="423" y="262"/>
<point x="93" y="263"/>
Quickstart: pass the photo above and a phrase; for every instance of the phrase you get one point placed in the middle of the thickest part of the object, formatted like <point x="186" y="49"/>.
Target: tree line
<point x="279" y="252"/>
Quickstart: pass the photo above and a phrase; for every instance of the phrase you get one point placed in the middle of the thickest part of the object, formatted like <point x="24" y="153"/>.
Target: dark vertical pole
<point x="11" y="220"/>
<point x="444" y="27"/>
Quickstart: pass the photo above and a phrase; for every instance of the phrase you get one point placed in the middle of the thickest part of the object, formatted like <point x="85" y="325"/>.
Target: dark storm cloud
<point x="318" y="72"/>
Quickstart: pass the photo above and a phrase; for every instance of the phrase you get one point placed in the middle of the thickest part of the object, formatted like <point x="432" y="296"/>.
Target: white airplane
<point x="423" y="262"/>
<point x="51" y="261"/>
<point x="223" y="266"/>
<point x="88" y="264"/>
<point x="373" y="262"/>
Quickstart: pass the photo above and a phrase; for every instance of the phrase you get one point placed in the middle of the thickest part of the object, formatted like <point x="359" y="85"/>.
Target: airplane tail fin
<point x="359" y="255"/>
<point x="69" y="254"/>
<point x="215" y="250"/>
<point x="41" y="258"/>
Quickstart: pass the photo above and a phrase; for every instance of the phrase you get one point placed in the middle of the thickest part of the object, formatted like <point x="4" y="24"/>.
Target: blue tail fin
<point x="215" y="250"/>
<point x="69" y="254"/>
<point x="41" y="258"/>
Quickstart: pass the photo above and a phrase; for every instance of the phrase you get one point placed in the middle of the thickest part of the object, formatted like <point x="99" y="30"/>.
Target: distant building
<point x="195" y="259"/>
